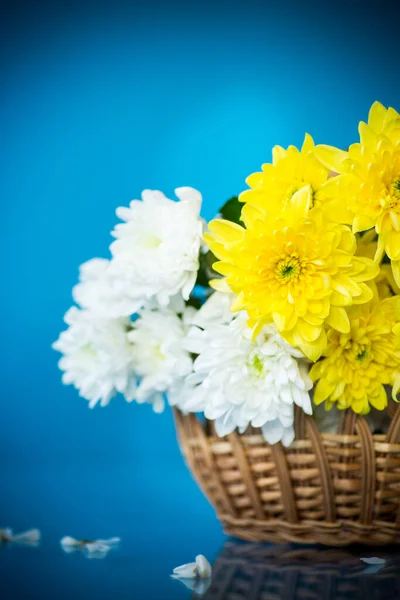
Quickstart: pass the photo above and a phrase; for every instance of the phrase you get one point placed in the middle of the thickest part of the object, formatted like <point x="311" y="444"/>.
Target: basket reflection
<point x="248" y="571"/>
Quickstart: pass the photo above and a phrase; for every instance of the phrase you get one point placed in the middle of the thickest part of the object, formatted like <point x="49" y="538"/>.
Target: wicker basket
<point x="250" y="571"/>
<point x="332" y="489"/>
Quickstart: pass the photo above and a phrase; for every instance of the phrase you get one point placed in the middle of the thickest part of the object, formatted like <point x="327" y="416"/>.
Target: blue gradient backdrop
<point x="101" y="100"/>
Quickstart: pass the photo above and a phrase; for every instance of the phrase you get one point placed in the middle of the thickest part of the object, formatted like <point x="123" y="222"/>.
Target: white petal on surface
<point x="97" y="546"/>
<point x="373" y="560"/>
<point x="91" y="549"/>
<point x="6" y="534"/>
<point x="110" y="542"/>
<point x="187" y="571"/>
<point x="203" y="566"/>
<point x="31" y="536"/>
<point x="95" y="550"/>
<point x="69" y="541"/>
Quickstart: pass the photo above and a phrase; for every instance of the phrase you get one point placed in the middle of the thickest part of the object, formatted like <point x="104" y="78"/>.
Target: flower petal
<point x="187" y="571"/>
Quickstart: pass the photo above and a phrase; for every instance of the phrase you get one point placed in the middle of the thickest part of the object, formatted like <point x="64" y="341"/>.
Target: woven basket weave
<point x="254" y="571"/>
<point x="332" y="489"/>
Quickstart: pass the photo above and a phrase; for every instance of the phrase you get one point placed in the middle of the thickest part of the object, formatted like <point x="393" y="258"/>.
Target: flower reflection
<point x="293" y="572"/>
<point x="199" y="586"/>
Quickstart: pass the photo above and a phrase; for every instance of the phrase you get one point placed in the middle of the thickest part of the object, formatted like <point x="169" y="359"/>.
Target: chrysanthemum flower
<point x="367" y="244"/>
<point x="298" y="270"/>
<point x="238" y="382"/>
<point x="368" y="188"/>
<point x="158" y="356"/>
<point x="386" y="283"/>
<point x="357" y="365"/>
<point x="98" y="290"/>
<point x="216" y="310"/>
<point x="291" y="170"/>
<point x="396" y="332"/>
<point x="97" y="356"/>
<point x="94" y="291"/>
<point x="156" y="252"/>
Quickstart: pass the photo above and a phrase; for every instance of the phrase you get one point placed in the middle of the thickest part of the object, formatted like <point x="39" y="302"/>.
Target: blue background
<point x="102" y="100"/>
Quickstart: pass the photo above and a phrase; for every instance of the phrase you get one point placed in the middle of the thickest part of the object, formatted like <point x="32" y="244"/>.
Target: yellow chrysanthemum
<point x="385" y="282"/>
<point x="396" y="332"/>
<point x="367" y="191"/>
<point x="358" y="364"/>
<point x="366" y="246"/>
<point x="297" y="269"/>
<point x="290" y="170"/>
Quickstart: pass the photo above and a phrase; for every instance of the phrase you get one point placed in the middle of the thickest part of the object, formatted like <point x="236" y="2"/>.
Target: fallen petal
<point x="203" y="566"/>
<point x="31" y="536"/>
<point x="97" y="546"/>
<point x="110" y="541"/>
<point x="188" y="571"/>
<point x="69" y="541"/>
<point x="6" y="535"/>
<point x="373" y="560"/>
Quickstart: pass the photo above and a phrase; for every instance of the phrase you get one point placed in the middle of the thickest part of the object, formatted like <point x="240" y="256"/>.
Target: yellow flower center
<point x="295" y="187"/>
<point x="394" y="193"/>
<point x="292" y="189"/>
<point x="359" y="355"/>
<point x="362" y="354"/>
<point x="288" y="269"/>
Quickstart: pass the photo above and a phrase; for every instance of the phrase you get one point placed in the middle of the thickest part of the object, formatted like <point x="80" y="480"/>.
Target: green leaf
<point x="206" y="272"/>
<point x="231" y="210"/>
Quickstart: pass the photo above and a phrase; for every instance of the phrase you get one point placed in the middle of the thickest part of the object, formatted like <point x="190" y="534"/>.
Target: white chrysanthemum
<point x="156" y="252"/>
<point x="97" y="356"/>
<point x="93" y="290"/>
<point x="159" y="359"/>
<point x="237" y="382"/>
<point x="215" y="311"/>
<point x="97" y="291"/>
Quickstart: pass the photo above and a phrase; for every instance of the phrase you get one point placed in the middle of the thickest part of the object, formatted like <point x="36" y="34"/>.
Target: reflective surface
<point x="161" y="525"/>
<point x="155" y="508"/>
<point x="291" y="572"/>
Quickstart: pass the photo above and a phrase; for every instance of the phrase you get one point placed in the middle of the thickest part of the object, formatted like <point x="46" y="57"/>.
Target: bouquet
<point x="289" y="297"/>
